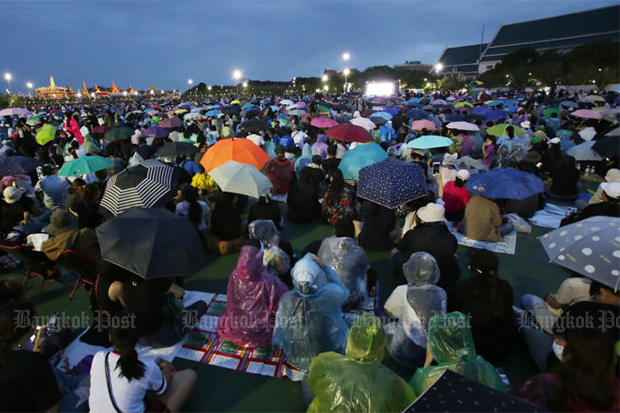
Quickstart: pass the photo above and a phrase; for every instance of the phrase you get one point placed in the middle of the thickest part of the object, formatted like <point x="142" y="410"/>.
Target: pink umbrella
<point x="15" y="111"/>
<point x="323" y="122"/>
<point x="587" y="114"/>
<point x="300" y="104"/>
<point x="463" y="126"/>
<point x="438" y="102"/>
<point x="423" y="124"/>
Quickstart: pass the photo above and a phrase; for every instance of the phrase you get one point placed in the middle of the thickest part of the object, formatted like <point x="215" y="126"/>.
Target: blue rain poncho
<point x="414" y="305"/>
<point x="350" y="263"/>
<point x="309" y="319"/>
<point x="452" y="347"/>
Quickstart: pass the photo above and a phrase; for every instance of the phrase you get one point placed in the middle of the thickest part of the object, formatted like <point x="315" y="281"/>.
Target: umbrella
<point x="191" y="116"/>
<point x="349" y="133"/>
<point x="45" y="134"/>
<point x="429" y="142"/>
<point x="416" y="114"/>
<point x="146" y="184"/>
<point x="473" y="116"/>
<point x="254" y="125"/>
<point x="286" y="102"/>
<point x="360" y="157"/>
<point x="171" y="123"/>
<point x="452" y="392"/>
<point x="378" y="120"/>
<point x="391" y="182"/>
<point x="176" y="150"/>
<point x="413" y="101"/>
<point x="475" y="83"/>
<point x="463" y="126"/>
<point x="549" y="111"/>
<point x="21" y="112"/>
<point x="462" y="104"/>
<point x="607" y="146"/>
<point x="423" y="124"/>
<point x="297" y="112"/>
<point x="363" y="122"/>
<point x="84" y="165"/>
<point x="569" y="104"/>
<point x="14" y="165"/>
<point x="101" y="129"/>
<point x="241" y="178"/>
<point x="152" y="243"/>
<point x="234" y="149"/>
<point x="118" y="134"/>
<point x="499" y="130"/>
<point x="368" y="113"/>
<point x="392" y="111"/>
<point x="590" y="247"/>
<point x="156" y="132"/>
<point x="213" y="112"/>
<point x="323" y="123"/>
<point x="594" y="98"/>
<point x="33" y="122"/>
<point x="438" y="102"/>
<point x="584" y="152"/>
<point x="587" y="114"/>
<point x="506" y="183"/>
<point x="383" y="115"/>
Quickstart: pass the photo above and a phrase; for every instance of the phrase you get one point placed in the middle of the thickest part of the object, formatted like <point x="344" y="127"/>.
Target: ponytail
<point x="124" y="340"/>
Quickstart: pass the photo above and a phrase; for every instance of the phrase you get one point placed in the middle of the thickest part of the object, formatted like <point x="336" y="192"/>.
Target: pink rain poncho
<point x="73" y="127"/>
<point x="253" y="296"/>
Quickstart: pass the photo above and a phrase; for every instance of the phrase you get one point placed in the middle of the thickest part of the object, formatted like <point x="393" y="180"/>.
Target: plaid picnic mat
<point x="508" y="246"/>
<point x="204" y="346"/>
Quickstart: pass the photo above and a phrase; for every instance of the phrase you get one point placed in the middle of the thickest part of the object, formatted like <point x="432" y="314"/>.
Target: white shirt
<point x="128" y="395"/>
<point x="299" y="138"/>
<point x="256" y="139"/>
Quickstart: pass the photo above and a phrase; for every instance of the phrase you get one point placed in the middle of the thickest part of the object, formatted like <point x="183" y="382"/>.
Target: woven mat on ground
<point x="204" y="346"/>
<point x="551" y="216"/>
<point x="508" y="246"/>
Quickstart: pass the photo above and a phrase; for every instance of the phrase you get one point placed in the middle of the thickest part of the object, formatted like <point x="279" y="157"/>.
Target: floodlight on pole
<point x="438" y="67"/>
<point x="346" y="73"/>
<point x="325" y="78"/>
<point x="346" y="56"/>
<point x="190" y="81"/>
<point x="8" y="77"/>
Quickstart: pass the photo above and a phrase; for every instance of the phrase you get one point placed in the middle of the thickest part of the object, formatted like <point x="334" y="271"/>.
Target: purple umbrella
<point x="156" y="132"/>
<point x="171" y="122"/>
<point x="391" y="111"/>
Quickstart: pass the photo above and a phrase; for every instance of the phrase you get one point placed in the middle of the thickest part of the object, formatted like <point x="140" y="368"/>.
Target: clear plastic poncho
<point x="275" y="260"/>
<point x="309" y="319"/>
<point x="253" y="295"/>
<point x="350" y="263"/>
<point x="452" y="347"/>
<point x="357" y="381"/>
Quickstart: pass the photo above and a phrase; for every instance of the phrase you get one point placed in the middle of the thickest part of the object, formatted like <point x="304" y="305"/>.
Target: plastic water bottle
<point x="587" y="171"/>
<point x="52" y="325"/>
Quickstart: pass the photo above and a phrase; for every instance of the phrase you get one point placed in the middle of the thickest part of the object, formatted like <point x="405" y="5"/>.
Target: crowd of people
<point x="436" y="319"/>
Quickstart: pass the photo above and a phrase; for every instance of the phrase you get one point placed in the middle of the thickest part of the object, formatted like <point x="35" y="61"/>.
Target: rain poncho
<point x="275" y="260"/>
<point x="320" y="146"/>
<point x="357" y="382"/>
<point x="350" y="263"/>
<point x="253" y="296"/>
<point x="304" y="159"/>
<point x="452" y="347"/>
<point x="414" y="305"/>
<point x="309" y="319"/>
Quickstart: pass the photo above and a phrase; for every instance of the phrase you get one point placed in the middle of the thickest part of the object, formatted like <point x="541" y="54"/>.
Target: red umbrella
<point x="350" y="133"/>
<point x="368" y="113"/>
<point x="323" y="123"/>
<point x="171" y="122"/>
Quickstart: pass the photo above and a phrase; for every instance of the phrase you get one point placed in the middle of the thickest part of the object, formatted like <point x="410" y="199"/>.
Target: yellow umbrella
<point x="459" y="104"/>
<point x="235" y="102"/>
<point x="46" y="134"/>
<point x="594" y="98"/>
<point x="180" y="111"/>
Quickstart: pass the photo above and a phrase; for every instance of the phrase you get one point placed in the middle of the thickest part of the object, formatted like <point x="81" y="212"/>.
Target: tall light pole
<point x="237" y="76"/>
<point x="346" y="73"/>
<point x="8" y="77"/>
<point x="29" y="85"/>
<point x="190" y="81"/>
<point x="346" y="56"/>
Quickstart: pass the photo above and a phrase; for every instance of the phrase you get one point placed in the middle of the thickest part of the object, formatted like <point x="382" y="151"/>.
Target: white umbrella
<point x="463" y="126"/>
<point x="286" y="102"/>
<point x="241" y="178"/>
<point x="584" y="152"/>
<point x="363" y="122"/>
<point x="193" y="115"/>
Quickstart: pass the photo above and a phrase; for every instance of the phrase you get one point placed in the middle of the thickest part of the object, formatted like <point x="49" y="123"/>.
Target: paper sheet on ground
<point x="508" y="246"/>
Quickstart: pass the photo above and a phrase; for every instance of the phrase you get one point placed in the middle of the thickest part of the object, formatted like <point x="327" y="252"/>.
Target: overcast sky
<point x="165" y="43"/>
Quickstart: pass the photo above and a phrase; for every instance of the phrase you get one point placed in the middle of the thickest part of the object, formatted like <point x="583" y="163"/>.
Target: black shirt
<point x="13" y="214"/>
<point x="375" y="235"/>
<point x="329" y="164"/>
<point x="27" y="383"/>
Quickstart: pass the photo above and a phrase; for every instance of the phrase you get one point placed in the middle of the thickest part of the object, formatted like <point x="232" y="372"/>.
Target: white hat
<point x="12" y="194"/>
<point x="613" y="175"/>
<point x="463" y="174"/>
<point x="449" y="159"/>
<point x="432" y="213"/>
<point x="555" y="140"/>
<point x="612" y="189"/>
<point x="526" y="124"/>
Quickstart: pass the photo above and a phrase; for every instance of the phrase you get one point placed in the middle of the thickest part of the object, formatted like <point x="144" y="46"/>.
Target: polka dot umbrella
<point x="590" y="247"/>
<point x="391" y="182"/>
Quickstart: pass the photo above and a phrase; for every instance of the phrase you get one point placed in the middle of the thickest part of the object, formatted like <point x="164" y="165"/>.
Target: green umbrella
<point x="547" y="112"/>
<point x="46" y="134"/>
<point x="459" y="104"/>
<point x="84" y="165"/>
<point x="118" y="134"/>
<point x="499" y="130"/>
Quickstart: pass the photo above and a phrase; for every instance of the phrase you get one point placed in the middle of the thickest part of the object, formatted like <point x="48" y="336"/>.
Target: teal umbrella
<point x="360" y="157"/>
<point x="84" y="165"/>
<point x="429" y="142"/>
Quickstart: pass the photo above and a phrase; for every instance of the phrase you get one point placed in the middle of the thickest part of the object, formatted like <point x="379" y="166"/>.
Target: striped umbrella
<point x="146" y="185"/>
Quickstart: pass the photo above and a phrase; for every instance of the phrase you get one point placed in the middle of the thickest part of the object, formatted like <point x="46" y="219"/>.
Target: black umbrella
<point x="118" y="134"/>
<point x="147" y="184"/>
<point x="14" y="165"/>
<point x="176" y="149"/>
<point x="152" y="243"/>
<point x="231" y="110"/>
<point x="453" y="392"/>
<point x="254" y="125"/>
<point x="607" y="146"/>
<point x="252" y="112"/>
<point x="378" y="120"/>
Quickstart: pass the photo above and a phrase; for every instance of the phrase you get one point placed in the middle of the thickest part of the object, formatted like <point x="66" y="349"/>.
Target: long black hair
<point x="484" y="265"/>
<point x="190" y="194"/>
<point x="336" y="186"/>
<point x="124" y="339"/>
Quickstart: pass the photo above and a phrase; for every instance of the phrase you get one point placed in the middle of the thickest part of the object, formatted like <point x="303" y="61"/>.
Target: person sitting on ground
<point x="120" y="380"/>
<point x="20" y="213"/>
<point x="338" y="202"/>
<point x="280" y="171"/>
<point x="87" y="211"/>
<point x="253" y="295"/>
<point x="451" y="345"/>
<point x="313" y="173"/>
<point x="303" y="199"/>
<point x="612" y="175"/>
<point x="309" y="319"/>
<point x="278" y="254"/>
<point x="609" y="207"/>
<point x="351" y="264"/>
<point x="266" y="209"/>
<point x="487" y="301"/>
<point x="332" y="161"/>
<point x="563" y="180"/>
<point x="586" y="378"/>
<point x="413" y="305"/>
<point x="225" y="225"/>
<point x="456" y="196"/>
<point x="482" y="221"/>
<point x="378" y="228"/>
<point x="188" y="205"/>
<point x="53" y="188"/>
<point x="75" y="194"/>
<point x="357" y="381"/>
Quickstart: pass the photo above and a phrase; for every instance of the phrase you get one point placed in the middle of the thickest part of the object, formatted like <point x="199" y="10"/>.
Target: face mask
<point x="558" y="350"/>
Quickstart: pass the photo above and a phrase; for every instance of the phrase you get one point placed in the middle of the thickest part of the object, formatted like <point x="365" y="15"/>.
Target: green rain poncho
<point x="357" y="382"/>
<point x="452" y="347"/>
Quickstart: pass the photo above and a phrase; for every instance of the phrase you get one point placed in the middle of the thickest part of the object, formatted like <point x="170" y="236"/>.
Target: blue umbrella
<point x="360" y="157"/>
<point x="275" y="108"/>
<point x="156" y="132"/>
<point x="454" y="117"/>
<point x="506" y="183"/>
<point x="429" y="142"/>
<point x="383" y="115"/>
<point x="416" y="114"/>
<point x="391" y="182"/>
<point x="413" y="101"/>
<point x="391" y="111"/>
<point x="213" y="112"/>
